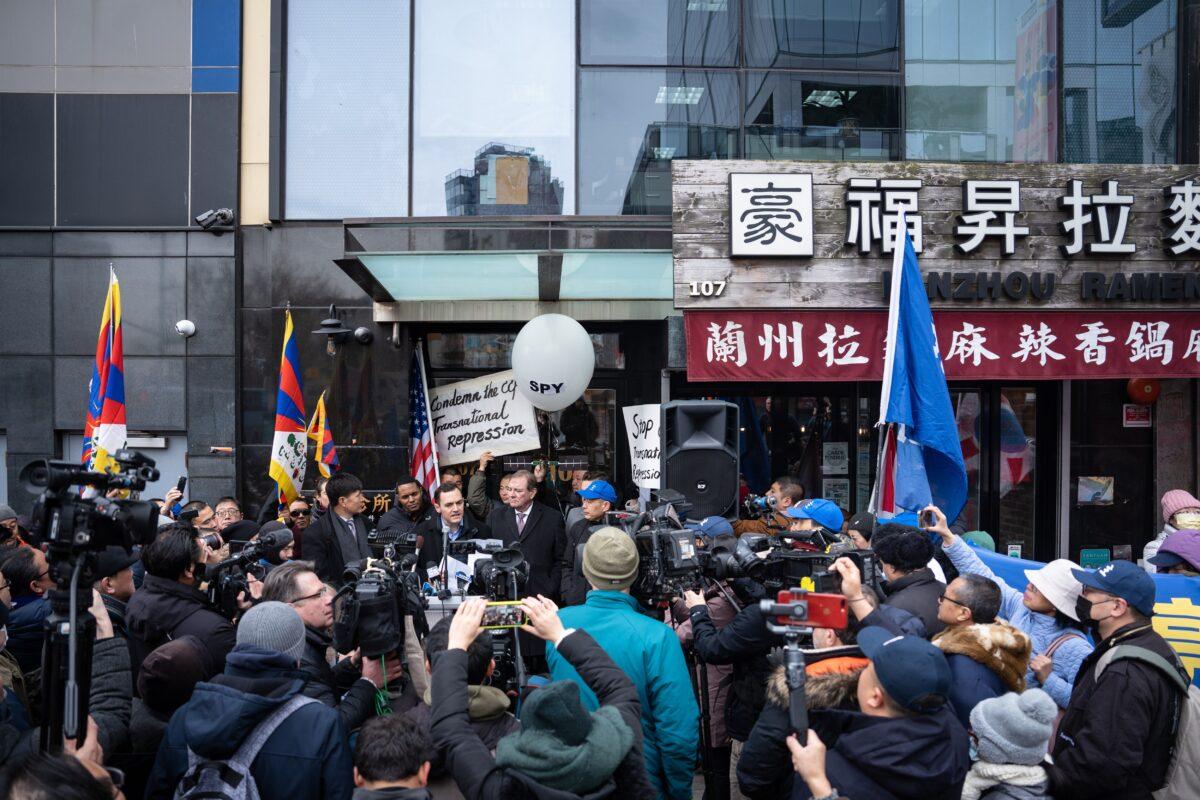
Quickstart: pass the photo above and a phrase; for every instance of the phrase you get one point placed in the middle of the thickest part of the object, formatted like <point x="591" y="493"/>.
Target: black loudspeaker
<point x="700" y="455"/>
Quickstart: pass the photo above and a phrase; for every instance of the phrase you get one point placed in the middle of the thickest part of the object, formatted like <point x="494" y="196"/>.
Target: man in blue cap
<point x="904" y="742"/>
<point x="597" y="498"/>
<point x="1117" y="734"/>
<point x="815" y="514"/>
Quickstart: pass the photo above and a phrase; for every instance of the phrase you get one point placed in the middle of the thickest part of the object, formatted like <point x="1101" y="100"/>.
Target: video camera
<point x="402" y="543"/>
<point x="795" y="558"/>
<point x="757" y="506"/>
<point x="379" y="593"/>
<point x="669" y="554"/>
<point x="70" y="522"/>
<point x="228" y="580"/>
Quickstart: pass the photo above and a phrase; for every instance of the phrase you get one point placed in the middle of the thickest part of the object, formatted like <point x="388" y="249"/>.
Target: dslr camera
<point x="228" y="580"/>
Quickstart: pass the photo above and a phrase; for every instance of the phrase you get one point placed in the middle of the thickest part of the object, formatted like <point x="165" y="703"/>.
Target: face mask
<point x="1083" y="609"/>
<point x="1189" y="520"/>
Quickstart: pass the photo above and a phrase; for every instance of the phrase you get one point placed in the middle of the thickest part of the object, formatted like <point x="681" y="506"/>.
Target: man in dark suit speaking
<point x="536" y="529"/>
<point x="339" y="536"/>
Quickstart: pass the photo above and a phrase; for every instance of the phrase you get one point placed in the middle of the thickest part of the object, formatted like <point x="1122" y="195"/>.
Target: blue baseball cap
<point x="599" y="490"/>
<point x="712" y="527"/>
<point x="823" y="512"/>
<point x="1122" y="579"/>
<point x="913" y="672"/>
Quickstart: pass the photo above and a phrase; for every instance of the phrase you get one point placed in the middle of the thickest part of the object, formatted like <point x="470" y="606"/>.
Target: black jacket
<point x="1115" y="738"/>
<point x="488" y="712"/>
<point x="320" y="546"/>
<point x="397" y="520"/>
<point x="392" y="793"/>
<point x="472" y="765"/>
<point x="306" y="757"/>
<point x="918" y="593"/>
<point x="341" y="687"/>
<point x="164" y="609"/>
<point x="542" y="542"/>
<point x="744" y="643"/>
<point x="430" y="531"/>
<point x="574" y="588"/>
<point x="922" y="757"/>
<point x="116" y="613"/>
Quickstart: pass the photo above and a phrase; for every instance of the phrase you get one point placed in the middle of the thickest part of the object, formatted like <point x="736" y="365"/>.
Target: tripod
<point x="67" y="652"/>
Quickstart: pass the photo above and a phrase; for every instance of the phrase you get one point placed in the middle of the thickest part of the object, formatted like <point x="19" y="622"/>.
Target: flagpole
<point x="428" y="413"/>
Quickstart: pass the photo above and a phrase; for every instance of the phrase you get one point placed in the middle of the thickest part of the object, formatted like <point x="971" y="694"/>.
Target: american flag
<point x="422" y="461"/>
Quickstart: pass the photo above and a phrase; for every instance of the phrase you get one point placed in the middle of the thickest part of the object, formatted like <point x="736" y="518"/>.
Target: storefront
<point x="1066" y="305"/>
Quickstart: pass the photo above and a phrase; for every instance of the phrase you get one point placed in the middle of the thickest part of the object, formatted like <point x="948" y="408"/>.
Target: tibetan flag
<point x="289" y="450"/>
<point x="920" y="454"/>
<point x="104" y="429"/>
<point x="318" y="430"/>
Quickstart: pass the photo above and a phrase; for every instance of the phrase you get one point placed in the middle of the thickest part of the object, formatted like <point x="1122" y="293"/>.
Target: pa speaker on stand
<point x="700" y="447"/>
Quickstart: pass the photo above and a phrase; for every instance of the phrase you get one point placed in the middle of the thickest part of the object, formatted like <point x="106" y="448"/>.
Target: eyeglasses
<point x="324" y="592"/>
<point x="299" y="513"/>
<point x="228" y="512"/>
<point x="948" y="599"/>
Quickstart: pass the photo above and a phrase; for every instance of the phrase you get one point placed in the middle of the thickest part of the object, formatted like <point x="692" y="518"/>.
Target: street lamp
<point x="334" y="330"/>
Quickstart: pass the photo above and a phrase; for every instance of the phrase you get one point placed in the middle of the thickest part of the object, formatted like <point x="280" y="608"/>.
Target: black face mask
<point x="1083" y="609"/>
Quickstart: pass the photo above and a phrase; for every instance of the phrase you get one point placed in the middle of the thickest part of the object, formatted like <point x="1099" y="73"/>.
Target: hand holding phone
<point x="503" y="614"/>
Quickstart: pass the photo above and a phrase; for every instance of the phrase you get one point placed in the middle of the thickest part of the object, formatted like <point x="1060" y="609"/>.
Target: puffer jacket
<point x="306" y="758"/>
<point x="1152" y="546"/>
<point x="1042" y="629"/>
<point x="985" y="661"/>
<point x="988" y="781"/>
<point x="25" y="630"/>
<point x="487" y="708"/>
<point x="768" y="772"/>
<point x="648" y="652"/>
<point x="917" y="593"/>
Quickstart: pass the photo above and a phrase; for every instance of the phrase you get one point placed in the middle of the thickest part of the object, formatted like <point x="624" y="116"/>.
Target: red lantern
<point x="1143" y="391"/>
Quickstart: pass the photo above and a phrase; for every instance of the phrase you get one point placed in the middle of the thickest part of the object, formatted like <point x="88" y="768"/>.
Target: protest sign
<point x="481" y="414"/>
<point x="642" y="424"/>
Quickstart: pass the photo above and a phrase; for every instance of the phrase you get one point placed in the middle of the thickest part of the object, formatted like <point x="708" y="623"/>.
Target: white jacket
<point x="1151" y="548"/>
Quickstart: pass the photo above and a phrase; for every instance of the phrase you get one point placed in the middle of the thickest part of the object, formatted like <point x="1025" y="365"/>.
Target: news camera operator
<point x="348" y="685"/>
<point x="771" y="508"/>
<point x="170" y="603"/>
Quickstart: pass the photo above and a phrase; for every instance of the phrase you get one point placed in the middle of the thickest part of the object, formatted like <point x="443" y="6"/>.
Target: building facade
<point x="443" y="172"/>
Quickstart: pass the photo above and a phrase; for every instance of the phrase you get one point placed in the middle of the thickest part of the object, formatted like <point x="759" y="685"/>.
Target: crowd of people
<point x="946" y="681"/>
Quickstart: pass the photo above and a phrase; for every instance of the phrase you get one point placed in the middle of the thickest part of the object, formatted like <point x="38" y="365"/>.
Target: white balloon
<point x="553" y="359"/>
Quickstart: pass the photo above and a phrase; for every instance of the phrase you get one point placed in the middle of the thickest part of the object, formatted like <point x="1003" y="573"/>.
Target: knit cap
<point x="170" y="673"/>
<point x="7" y="513"/>
<point x="610" y="559"/>
<point x="273" y="626"/>
<point x="560" y="745"/>
<point x="1014" y="728"/>
<point x="1173" y="502"/>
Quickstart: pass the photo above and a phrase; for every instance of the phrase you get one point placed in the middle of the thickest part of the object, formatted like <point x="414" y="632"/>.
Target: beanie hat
<point x="1173" y="502"/>
<point x="560" y="745"/>
<point x="170" y="673"/>
<point x="273" y="626"/>
<point x="1058" y="585"/>
<point x="610" y="559"/>
<point x="1014" y="728"/>
<point x="7" y="513"/>
<point x="981" y="539"/>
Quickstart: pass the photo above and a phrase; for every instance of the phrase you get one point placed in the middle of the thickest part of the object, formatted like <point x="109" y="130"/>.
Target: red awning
<point x="1032" y="344"/>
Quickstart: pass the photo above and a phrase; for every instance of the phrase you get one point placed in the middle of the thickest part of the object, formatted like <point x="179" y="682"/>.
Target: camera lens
<point x="213" y="541"/>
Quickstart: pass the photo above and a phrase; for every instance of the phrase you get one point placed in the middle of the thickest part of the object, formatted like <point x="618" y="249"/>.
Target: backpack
<point x="1183" y="770"/>
<point x="230" y="779"/>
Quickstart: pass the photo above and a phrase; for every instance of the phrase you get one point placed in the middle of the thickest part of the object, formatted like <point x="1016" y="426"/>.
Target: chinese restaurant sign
<point x="793" y="234"/>
<point x="984" y="345"/>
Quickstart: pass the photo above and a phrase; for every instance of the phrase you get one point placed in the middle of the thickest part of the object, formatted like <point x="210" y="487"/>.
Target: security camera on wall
<point x="213" y="218"/>
<point x="185" y="328"/>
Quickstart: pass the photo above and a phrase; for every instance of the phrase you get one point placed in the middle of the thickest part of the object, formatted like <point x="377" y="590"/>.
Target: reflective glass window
<point x="980" y="80"/>
<point x="494" y="108"/>
<point x="822" y="116"/>
<point x="632" y="122"/>
<point x="1119" y="81"/>
<point x="822" y="34"/>
<point x="685" y="33"/>
<point x="346" y="152"/>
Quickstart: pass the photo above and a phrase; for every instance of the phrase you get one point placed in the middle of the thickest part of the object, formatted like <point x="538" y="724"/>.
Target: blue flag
<point x="920" y="459"/>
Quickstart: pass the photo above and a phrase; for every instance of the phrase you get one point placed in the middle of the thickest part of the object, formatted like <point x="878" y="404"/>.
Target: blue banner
<point x="1176" y="606"/>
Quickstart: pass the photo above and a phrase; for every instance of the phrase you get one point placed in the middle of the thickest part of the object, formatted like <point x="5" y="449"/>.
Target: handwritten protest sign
<point x="481" y="414"/>
<point x="642" y="424"/>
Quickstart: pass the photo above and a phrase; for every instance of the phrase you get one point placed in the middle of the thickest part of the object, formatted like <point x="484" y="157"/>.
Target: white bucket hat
<point x="1058" y="585"/>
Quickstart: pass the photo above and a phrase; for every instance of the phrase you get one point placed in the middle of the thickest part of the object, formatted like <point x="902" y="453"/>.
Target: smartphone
<point x="181" y="483"/>
<point x="807" y="609"/>
<point x="503" y="614"/>
<point x="928" y="519"/>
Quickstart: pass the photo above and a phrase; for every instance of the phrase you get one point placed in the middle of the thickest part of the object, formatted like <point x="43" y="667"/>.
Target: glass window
<point x="685" y="33"/>
<point x="980" y="80"/>
<point x="494" y="108"/>
<point x="1119" y="79"/>
<point x="347" y="109"/>
<point x="968" y="412"/>
<point x="821" y="116"/>
<point x="492" y="351"/>
<point x="822" y="34"/>
<point x="632" y="122"/>
<point x="1018" y="473"/>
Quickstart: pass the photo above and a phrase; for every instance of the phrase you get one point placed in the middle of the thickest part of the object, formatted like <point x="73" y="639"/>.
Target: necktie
<point x="520" y="523"/>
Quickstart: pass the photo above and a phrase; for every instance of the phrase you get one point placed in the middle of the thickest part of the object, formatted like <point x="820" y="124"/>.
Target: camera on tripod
<point x="228" y="580"/>
<point x="402" y="543"/>
<point x="379" y="593"/>
<point x="501" y="577"/>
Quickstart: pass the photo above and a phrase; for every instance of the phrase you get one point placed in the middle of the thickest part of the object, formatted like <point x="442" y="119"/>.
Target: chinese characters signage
<point x="771" y="215"/>
<point x="985" y="345"/>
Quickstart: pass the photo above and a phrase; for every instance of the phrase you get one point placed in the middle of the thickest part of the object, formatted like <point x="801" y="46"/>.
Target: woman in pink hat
<point x="1180" y="511"/>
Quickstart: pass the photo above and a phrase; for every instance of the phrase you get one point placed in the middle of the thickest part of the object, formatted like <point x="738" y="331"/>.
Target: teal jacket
<point x="649" y="653"/>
